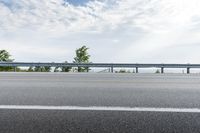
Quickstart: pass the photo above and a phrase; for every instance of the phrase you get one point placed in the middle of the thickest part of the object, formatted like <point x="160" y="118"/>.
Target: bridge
<point x="136" y="66"/>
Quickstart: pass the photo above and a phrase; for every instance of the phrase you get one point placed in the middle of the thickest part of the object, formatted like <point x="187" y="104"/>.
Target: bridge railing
<point x="102" y="65"/>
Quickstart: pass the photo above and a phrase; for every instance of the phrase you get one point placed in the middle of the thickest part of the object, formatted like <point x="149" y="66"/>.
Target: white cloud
<point x="115" y="30"/>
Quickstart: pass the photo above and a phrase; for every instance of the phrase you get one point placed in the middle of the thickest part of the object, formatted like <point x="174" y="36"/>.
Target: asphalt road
<point x="99" y="90"/>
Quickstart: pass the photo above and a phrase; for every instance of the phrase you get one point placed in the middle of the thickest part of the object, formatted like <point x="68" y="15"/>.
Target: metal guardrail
<point x="95" y="65"/>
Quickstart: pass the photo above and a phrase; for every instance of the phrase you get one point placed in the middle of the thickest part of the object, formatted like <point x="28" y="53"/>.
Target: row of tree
<point x="82" y="56"/>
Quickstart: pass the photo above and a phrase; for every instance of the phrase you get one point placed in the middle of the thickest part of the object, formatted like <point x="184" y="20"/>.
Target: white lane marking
<point x="99" y="108"/>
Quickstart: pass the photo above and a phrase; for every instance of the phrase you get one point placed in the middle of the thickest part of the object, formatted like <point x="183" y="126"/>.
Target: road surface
<point x="99" y="103"/>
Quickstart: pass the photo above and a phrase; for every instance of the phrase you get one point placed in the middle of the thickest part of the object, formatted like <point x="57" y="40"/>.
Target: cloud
<point x="115" y="30"/>
<point x="98" y="15"/>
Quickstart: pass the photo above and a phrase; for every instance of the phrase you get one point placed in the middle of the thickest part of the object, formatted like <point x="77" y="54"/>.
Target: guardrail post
<point x="162" y="69"/>
<point x="15" y="68"/>
<point x="188" y="70"/>
<point x="112" y="70"/>
<point x="136" y="70"/>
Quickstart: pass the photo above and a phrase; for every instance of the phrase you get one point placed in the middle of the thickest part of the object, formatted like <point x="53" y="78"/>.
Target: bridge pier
<point x="162" y="69"/>
<point x="136" y="70"/>
<point x="188" y="70"/>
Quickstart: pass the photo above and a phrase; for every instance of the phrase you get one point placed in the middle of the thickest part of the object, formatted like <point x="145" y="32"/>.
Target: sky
<point x="116" y="31"/>
<point x="77" y="2"/>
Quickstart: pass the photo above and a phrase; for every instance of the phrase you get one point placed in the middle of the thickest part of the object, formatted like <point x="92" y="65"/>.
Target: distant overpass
<point x="102" y="65"/>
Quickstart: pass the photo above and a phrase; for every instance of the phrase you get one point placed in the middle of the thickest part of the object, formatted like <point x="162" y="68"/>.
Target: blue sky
<point x="134" y="31"/>
<point x="77" y="2"/>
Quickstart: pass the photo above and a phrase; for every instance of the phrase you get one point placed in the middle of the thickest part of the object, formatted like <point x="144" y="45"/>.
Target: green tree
<point x="63" y="69"/>
<point x="82" y="56"/>
<point x="42" y="69"/>
<point x="46" y="69"/>
<point x="157" y="71"/>
<point x="56" y="69"/>
<point x="66" y="68"/>
<point x="5" y="57"/>
<point x="37" y="69"/>
<point x="30" y="69"/>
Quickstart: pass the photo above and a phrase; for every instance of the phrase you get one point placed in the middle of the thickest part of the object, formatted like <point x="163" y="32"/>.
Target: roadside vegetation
<point x="157" y="71"/>
<point x="124" y="71"/>
<point x="5" y="57"/>
<point x="81" y="56"/>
